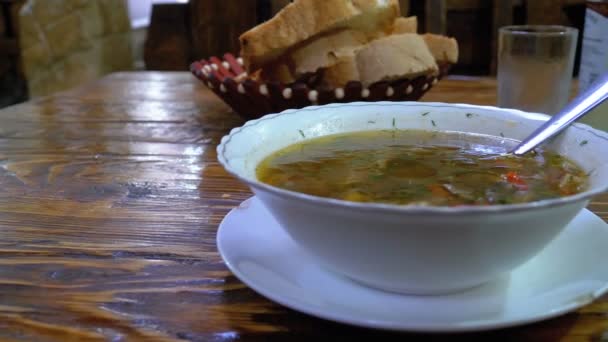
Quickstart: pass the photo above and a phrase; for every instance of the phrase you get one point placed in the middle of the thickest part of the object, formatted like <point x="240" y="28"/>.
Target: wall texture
<point x="65" y="43"/>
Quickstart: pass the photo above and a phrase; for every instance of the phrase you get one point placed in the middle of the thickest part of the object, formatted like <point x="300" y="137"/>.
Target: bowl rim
<point x="409" y="209"/>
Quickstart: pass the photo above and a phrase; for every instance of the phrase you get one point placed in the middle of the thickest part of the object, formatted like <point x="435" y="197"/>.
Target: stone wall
<point x="65" y="43"/>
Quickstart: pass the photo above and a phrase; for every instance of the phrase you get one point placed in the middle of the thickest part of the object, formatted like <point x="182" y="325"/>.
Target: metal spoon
<point x="580" y="106"/>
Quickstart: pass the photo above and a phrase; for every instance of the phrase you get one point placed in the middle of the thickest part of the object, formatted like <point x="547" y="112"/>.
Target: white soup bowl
<point x="413" y="249"/>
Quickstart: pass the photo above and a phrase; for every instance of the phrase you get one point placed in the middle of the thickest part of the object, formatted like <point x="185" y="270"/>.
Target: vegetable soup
<point x="421" y="168"/>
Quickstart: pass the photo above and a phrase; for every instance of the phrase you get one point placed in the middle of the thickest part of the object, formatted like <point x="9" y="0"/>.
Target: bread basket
<point x="252" y="99"/>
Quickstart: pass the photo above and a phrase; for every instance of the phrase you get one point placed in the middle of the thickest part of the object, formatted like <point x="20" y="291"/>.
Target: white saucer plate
<point x="566" y="275"/>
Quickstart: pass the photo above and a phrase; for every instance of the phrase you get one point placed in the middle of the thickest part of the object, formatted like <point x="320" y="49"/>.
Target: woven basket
<point x="252" y="99"/>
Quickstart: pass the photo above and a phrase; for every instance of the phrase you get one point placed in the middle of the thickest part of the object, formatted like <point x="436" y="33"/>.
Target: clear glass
<point x="535" y="65"/>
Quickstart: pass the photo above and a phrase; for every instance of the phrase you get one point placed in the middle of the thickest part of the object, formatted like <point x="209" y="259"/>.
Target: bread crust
<point x="397" y="56"/>
<point x="390" y="58"/>
<point x="326" y="51"/>
<point x="337" y="41"/>
<point x="444" y="49"/>
<point x="304" y="19"/>
<point x="405" y="25"/>
<point x="342" y="72"/>
<point x="319" y="53"/>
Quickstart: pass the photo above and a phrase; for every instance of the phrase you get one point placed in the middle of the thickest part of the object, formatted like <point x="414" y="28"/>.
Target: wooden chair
<point x="436" y="12"/>
<point x="168" y="45"/>
<point x="217" y="24"/>
<point x="551" y="11"/>
<point x="500" y="14"/>
<point x="181" y="33"/>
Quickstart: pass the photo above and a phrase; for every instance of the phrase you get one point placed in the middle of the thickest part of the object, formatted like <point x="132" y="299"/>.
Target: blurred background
<point x="48" y="46"/>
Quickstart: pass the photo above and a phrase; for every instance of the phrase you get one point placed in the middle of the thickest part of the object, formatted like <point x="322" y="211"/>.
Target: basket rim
<point x="208" y="70"/>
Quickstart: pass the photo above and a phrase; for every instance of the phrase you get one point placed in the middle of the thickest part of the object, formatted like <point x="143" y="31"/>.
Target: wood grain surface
<point x="109" y="205"/>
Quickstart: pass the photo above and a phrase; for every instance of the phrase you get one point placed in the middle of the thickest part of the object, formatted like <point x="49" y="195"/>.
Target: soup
<point x="421" y="168"/>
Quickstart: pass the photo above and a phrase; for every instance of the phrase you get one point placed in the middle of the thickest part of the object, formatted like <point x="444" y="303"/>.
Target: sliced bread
<point x="304" y="19"/>
<point x="405" y="25"/>
<point x="444" y="49"/>
<point x="342" y="72"/>
<point x="319" y="53"/>
<point x="326" y="50"/>
<point x="393" y="57"/>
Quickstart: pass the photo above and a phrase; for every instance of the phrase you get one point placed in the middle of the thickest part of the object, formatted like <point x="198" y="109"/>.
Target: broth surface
<point x="420" y="167"/>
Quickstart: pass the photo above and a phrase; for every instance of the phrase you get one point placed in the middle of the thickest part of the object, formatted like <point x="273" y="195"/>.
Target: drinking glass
<point x="535" y="64"/>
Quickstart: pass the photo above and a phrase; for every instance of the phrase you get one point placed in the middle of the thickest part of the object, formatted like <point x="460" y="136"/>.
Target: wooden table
<point x="111" y="198"/>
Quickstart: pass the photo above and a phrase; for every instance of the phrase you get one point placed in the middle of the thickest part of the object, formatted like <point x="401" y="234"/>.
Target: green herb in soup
<point x="420" y="167"/>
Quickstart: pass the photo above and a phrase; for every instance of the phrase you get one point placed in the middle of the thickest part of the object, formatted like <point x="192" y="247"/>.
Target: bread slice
<point x="385" y="59"/>
<point x="319" y="53"/>
<point x="396" y="56"/>
<point x="325" y="51"/>
<point x="443" y="49"/>
<point x="405" y="25"/>
<point x="304" y="19"/>
<point x="343" y="71"/>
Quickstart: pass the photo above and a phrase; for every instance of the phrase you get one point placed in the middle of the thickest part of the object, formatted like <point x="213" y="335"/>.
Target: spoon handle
<point x="580" y="106"/>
